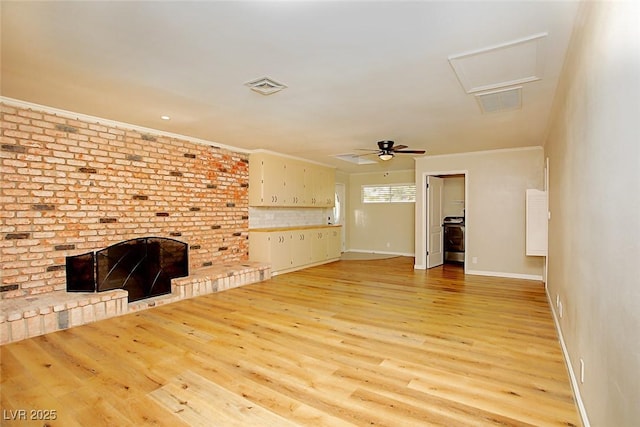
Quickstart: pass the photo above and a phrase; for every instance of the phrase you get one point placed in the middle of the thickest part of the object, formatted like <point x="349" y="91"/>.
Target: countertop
<point x="295" y="227"/>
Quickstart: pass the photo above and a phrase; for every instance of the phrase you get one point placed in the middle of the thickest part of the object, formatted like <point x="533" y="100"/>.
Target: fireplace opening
<point x="143" y="267"/>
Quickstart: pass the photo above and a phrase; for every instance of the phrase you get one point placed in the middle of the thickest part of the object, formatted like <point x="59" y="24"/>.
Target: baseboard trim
<point x="368" y="251"/>
<point x="503" y="274"/>
<point x="302" y="267"/>
<point x="572" y="377"/>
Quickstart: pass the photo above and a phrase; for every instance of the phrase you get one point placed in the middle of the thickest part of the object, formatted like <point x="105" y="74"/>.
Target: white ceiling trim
<point x="507" y="64"/>
<point x="484" y="152"/>
<point x="289" y="156"/>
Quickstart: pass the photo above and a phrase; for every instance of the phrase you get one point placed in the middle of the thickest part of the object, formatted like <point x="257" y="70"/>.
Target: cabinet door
<point x="300" y="247"/>
<point x="309" y="185"/>
<point x="256" y="185"/>
<point x="329" y="189"/>
<point x="274" y="191"/>
<point x="281" y="250"/>
<point x="322" y="182"/>
<point x="319" y="245"/>
<point x="320" y="189"/>
<point x="267" y="176"/>
<point x="260" y="247"/>
<point x="537" y="217"/>
<point x="294" y="183"/>
<point x="334" y="242"/>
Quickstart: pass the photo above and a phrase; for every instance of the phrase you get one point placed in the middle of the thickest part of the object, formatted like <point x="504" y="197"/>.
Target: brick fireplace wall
<point x="72" y="185"/>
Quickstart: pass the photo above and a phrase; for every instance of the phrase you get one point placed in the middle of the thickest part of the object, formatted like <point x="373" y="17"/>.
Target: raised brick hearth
<point x="34" y="315"/>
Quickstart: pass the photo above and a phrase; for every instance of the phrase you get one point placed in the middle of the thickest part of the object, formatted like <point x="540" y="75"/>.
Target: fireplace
<point x="143" y="267"/>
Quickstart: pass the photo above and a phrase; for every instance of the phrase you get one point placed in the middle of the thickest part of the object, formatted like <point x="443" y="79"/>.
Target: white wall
<point x="495" y="211"/>
<point x="594" y="231"/>
<point x="380" y="227"/>
<point x="453" y="196"/>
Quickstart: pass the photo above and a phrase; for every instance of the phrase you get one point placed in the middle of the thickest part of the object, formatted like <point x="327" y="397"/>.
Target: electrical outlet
<point x="560" y="309"/>
<point x="581" y="370"/>
<point x="474" y="260"/>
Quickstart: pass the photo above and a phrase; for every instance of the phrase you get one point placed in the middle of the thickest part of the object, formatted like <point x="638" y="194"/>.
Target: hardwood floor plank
<point x="189" y="396"/>
<point x="349" y="343"/>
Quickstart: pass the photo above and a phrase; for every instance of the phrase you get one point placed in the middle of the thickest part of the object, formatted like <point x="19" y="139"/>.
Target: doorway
<point x="445" y="201"/>
<point x="339" y="213"/>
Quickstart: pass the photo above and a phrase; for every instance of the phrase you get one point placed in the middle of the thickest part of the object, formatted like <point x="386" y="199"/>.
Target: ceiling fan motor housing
<point x="385" y="145"/>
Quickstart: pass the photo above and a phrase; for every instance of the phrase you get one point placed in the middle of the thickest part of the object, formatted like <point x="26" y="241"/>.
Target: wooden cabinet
<point x="334" y="242"/>
<point x="281" y="181"/>
<point x="296" y="248"/>
<point x="300" y="247"/>
<point x="274" y="248"/>
<point x="294" y="183"/>
<point x="537" y="222"/>
<point x="318" y="245"/>
<point x="319" y="186"/>
<point x="267" y="186"/>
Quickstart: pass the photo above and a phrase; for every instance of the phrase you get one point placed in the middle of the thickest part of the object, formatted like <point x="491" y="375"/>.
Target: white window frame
<point x="391" y="196"/>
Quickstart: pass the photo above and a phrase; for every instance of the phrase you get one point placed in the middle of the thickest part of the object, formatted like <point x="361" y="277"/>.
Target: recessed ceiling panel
<point x="354" y="158"/>
<point x="510" y="63"/>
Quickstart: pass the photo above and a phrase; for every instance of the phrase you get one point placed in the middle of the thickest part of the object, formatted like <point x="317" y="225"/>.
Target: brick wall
<point x="70" y="186"/>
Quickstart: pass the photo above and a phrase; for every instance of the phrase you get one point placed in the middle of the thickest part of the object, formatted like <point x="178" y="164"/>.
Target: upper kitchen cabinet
<point x="282" y="181"/>
<point x="320" y="185"/>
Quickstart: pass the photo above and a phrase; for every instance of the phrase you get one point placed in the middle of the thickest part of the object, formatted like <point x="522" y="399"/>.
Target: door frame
<point x="421" y="264"/>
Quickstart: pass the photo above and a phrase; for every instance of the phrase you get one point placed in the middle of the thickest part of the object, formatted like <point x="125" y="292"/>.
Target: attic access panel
<point x="507" y="64"/>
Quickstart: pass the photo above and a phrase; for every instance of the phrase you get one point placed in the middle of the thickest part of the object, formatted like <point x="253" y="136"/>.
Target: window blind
<point x="389" y="193"/>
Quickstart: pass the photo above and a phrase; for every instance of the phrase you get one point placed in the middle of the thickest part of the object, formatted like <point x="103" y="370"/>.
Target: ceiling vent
<point x="500" y="100"/>
<point x="265" y="86"/>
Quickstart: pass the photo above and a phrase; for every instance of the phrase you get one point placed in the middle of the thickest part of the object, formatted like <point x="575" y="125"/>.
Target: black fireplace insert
<point x="144" y="267"/>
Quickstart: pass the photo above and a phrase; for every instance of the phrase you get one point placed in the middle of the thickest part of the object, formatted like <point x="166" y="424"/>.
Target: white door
<point x="339" y="212"/>
<point x="435" y="253"/>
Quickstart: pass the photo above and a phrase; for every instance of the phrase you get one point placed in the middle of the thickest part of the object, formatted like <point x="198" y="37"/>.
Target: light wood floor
<point x="348" y="343"/>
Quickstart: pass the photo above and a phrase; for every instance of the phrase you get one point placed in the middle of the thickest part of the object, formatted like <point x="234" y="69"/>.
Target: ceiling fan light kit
<point x="385" y="156"/>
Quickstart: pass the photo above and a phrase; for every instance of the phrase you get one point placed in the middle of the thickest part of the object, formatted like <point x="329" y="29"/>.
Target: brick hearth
<point x="34" y="315"/>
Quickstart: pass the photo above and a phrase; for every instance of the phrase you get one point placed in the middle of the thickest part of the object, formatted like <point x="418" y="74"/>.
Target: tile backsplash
<point x="288" y="217"/>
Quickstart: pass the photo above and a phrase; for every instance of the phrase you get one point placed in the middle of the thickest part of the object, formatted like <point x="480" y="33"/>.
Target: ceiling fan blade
<point x="367" y="149"/>
<point x="410" y="151"/>
<point x="399" y="147"/>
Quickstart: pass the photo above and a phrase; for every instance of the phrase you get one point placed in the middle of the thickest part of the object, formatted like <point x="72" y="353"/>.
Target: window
<point x="389" y="193"/>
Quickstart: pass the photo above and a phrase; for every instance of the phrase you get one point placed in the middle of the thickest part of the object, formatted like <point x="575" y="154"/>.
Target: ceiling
<point x="355" y="72"/>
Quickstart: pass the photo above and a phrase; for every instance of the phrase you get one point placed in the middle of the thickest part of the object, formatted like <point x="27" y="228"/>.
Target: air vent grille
<point x="265" y="86"/>
<point x="500" y="100"/>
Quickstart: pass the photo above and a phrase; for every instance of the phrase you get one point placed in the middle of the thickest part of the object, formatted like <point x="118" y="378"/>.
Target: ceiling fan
<point x="386" y="150"/>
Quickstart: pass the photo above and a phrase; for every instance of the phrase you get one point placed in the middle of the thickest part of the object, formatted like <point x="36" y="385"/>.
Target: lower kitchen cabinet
<point x="289" y="249"/>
